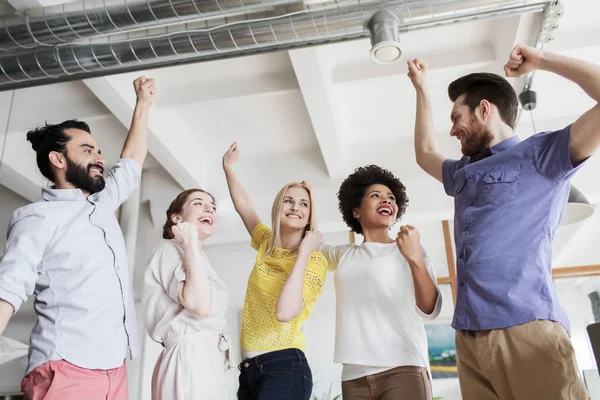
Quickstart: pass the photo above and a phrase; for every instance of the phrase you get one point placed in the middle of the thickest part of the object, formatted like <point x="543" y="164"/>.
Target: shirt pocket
<point x="500" y="185"/>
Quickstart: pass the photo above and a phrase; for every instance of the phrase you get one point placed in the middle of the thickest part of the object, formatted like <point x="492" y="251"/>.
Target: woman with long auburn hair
<point x="283" y="288"/>
<point x="185" y="303"/>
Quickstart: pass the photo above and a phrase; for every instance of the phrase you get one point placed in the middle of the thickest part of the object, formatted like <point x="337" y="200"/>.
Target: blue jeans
<point x="278" y="375"/>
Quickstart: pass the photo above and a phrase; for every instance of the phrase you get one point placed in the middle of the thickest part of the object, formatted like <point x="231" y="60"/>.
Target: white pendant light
<point x="384" y="37"/>
<point x="578" y="208"/>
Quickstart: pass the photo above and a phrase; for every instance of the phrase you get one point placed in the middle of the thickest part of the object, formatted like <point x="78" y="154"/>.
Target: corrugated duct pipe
<point x="85" y="19"/>
<point x="233" y="36"/>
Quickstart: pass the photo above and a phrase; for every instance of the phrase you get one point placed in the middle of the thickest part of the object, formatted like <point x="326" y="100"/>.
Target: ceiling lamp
<point x="383" y="26"/>
<point x="578" y="208"/>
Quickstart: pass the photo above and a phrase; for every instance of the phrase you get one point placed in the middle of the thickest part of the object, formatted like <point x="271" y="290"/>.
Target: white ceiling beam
<point x="18" y="169"/>
<point x="478" y="55"/>
<point x="28" y="187"/>
<point x="317" y="91"/>
<point x="198" y="92"/>
<point x="170" y="141"/>
<point x="520" y="29"/>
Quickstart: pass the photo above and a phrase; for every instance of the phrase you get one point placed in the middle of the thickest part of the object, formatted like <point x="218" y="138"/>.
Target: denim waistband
<point x="277" y="355"/>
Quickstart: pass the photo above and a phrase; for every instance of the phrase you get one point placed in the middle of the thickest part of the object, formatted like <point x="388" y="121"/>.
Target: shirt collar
<point x="490" y="151"/>
<point x="507" y="144"/>
<point x="51" y="193"/>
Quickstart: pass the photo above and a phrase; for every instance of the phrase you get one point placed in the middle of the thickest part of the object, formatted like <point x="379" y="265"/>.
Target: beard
<point x="80" y="177"/>
<point x="477" y="139"/>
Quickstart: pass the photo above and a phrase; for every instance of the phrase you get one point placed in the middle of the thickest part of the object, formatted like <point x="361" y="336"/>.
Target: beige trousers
<point x="531" y="361"/>
<point x="401" y="383"/>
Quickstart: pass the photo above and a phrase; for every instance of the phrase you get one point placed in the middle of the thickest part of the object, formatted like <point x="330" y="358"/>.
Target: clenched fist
<point x="409" y="243"/>
<point x="522" y="60"/>
<point x="185" y="233"/>
<point x="417" y="72"/>
<point x="231" y="156"/>
<point x="311" y="242"/>
<point x="144" y="89"/>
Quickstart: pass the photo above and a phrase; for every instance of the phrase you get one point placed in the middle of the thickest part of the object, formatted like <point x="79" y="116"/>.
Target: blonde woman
<point x="283" y="288"/>
<point x="185" y="303"/>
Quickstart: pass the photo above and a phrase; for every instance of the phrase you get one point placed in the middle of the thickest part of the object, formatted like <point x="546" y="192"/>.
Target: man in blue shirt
<point x="512" y="338"/>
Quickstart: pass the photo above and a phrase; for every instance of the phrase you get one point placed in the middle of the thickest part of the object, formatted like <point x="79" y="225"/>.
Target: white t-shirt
<point x="378" y="323"/>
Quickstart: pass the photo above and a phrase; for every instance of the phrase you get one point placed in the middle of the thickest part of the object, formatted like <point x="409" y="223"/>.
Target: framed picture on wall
<point x="442" y="351"/>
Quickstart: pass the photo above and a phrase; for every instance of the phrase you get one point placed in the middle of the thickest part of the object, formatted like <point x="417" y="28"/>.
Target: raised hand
<point x="409" y="243"/>
<point x="144" y="89"/>
<point x="231" y="156"/>
<point x="311" y="242"/>
<point x="307" y="184"/>
<point x="417" y="72"/>
<point x="521" y="61"/>
<point x="186" y="233"/>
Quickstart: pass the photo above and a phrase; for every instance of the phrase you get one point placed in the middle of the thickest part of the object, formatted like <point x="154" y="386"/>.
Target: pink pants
<point x="62" y="380"/>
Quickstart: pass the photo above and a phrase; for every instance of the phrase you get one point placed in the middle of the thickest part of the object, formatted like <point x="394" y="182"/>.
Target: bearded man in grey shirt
<point x="68" y="251"/>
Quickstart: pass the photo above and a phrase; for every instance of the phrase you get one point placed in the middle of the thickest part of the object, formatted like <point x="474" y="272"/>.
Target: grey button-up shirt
<point x="69" y="252"/>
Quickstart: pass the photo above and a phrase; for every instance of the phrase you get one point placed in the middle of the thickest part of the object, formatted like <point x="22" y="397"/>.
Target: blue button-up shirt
<point x="507" y="209"/>
<point x="69" y="252"/>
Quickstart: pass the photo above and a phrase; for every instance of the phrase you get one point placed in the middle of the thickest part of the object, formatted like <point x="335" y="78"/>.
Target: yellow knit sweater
<point x="260" y="329"/>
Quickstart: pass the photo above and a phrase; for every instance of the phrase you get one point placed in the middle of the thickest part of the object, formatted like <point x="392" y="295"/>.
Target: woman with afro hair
<point x="384" y="287"/>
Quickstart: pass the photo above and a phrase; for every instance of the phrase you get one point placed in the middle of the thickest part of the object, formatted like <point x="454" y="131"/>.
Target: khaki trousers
<point x="401" y="383"/>
<point x="531" y="361"/>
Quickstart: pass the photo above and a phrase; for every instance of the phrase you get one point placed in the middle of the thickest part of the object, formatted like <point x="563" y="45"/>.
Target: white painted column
<point x="129" y="221"/>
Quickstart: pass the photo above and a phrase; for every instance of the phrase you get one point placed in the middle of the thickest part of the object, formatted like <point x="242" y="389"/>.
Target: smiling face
<point x="378" y="208"/>
<point x="473" y="135"/>
<point x="295" y="208"/>
<point x="199" y="209"/>
<point x="84" y="162"/>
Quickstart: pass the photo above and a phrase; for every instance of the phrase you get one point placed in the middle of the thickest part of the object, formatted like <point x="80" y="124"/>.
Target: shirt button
<point x="246" y="365"/>
<point x="466" y="228"/>
<point x="472" y="203"/>
<point x="462" y="284"/>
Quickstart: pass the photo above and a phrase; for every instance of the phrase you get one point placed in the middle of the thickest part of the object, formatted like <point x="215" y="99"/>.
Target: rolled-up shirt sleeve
<point x="449" y="168"/>
<point x="552" y="154"/>
<point x="122" y="180"/>
<point x="22" y="257"/>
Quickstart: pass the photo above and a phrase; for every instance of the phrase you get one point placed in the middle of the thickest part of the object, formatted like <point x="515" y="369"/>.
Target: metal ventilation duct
<point x="84" y="19"/>
<point x="234" y="36"/>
